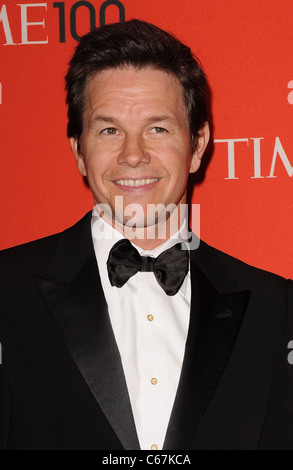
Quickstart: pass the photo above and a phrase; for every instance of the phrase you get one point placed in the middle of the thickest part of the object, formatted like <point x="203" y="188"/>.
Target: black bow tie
<point x="170" y="267"/>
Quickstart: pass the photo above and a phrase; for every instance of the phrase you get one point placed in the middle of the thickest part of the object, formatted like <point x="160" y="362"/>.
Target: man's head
<point x="137" y="120"/>
<point x="138" y="44"/>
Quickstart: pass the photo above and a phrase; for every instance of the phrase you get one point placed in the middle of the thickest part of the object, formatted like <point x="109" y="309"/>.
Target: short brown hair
<point x="138" y="44"/>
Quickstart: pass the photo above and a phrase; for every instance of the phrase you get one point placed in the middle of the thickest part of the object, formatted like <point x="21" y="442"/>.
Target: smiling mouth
<point x="137" y="183"/>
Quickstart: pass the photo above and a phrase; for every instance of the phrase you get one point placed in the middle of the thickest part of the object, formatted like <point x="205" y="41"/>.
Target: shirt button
<point x="154" y="381"/>
<point x="154" y="447"/>
<point x="150" y="317"/>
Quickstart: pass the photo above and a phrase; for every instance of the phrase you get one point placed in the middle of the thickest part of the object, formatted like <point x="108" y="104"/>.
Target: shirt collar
<point x="105" y="236"/>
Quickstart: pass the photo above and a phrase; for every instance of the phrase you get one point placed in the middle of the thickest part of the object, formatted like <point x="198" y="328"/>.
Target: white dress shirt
<point x="150" y="329"/>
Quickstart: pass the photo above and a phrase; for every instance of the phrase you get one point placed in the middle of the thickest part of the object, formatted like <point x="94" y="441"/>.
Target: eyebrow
<point x="150" y="120"/>
<point x="160" y="118"/>
<point x="100" y="118"/>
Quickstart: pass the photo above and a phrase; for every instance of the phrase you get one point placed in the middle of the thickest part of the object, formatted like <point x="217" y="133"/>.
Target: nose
<point x="133" y="152"/>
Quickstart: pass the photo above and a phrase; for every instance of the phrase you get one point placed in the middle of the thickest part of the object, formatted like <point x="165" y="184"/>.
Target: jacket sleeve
<point x="4" y="403"/>
<point x="278" y="429"/>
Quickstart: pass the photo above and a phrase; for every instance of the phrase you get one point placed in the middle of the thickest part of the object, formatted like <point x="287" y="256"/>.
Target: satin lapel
<point x="215" y="322"/>
<point x="79" y="310"/>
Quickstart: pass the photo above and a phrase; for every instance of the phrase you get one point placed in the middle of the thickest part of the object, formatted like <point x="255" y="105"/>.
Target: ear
<point x="202" y="142"/>
<point x="78" y="156"/>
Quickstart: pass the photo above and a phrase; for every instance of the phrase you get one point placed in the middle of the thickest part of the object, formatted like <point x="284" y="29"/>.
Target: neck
<point x="154" y="235"/>
<point x="150" y="237"/>
<point x="146" y="240"/>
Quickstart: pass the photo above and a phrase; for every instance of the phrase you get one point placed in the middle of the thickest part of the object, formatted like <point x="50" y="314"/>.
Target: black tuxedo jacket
<point x="62" y="384"/>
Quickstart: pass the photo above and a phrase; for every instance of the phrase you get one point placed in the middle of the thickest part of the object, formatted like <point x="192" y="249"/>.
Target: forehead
<point x="129" y="86"/>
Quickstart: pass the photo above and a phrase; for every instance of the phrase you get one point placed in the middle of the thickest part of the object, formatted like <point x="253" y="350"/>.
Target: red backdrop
<point x="246" y="50"/>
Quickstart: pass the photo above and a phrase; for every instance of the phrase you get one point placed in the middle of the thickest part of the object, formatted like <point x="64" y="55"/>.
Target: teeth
<point x="137" y="183"/>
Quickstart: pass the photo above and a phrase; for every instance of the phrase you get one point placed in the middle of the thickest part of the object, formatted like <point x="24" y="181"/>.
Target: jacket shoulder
<point x="36" y="255"/>
<point x="27" y="256"/>
<point x="221" y="264"/>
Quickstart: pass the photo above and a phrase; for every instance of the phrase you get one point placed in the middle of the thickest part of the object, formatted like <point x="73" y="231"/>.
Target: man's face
<point x="136" y="141"/>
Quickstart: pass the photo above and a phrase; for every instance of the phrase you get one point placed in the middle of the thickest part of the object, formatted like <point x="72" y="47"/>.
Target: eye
<point x="158" y="130"/>
<point x="110" y="131"/>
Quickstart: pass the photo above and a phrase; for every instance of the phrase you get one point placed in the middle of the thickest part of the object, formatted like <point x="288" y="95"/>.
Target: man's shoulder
<point x="37" y="254"/>
<point x="221" y="264"/>
<point x="28" y="254"/>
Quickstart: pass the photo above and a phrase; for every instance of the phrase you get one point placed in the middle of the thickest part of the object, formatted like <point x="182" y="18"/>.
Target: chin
<point x="136" y="223"/>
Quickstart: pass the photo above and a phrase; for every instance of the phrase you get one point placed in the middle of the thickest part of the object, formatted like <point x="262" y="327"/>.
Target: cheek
<point x="95" y="163"/>
<point x="100" y="158"/>
<point x="95" y="178"/>
<point x="180" y="166"/>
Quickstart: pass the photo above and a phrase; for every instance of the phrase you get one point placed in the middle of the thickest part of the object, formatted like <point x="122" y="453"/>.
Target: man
<point x="118" y="333"/>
